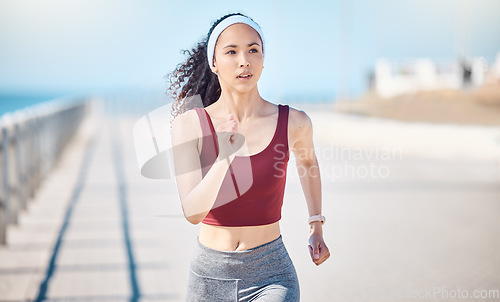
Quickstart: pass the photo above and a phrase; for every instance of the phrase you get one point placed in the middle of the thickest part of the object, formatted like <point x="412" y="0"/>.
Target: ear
<point x="214" y="68"/>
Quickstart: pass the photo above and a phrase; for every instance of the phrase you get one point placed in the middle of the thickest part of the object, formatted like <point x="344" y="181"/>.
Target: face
<point x="238" y="50"/>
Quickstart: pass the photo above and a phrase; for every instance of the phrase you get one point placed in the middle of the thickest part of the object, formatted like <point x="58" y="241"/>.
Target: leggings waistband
<point x="263" y="259"/>
<point x="253" y="250"/>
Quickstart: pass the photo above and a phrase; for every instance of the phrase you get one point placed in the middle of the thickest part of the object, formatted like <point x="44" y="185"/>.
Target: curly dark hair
<point x="194" y="77"/>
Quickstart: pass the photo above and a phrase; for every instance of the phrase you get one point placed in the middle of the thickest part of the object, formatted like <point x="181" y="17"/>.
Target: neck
<point x="241" y="105"/>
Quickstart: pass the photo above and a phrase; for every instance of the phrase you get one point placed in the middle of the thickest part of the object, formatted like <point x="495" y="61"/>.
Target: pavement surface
<point x="402" y="224"/>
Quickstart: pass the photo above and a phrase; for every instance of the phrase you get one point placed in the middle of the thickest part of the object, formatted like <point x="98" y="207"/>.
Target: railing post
<point x="37" y="152"/>
<point x="31" y="156"/>
<point x="4" y="196"/>
<point x="28" y="157"/>
<point x="19" y="150"/>
<point x="12" y="188"/>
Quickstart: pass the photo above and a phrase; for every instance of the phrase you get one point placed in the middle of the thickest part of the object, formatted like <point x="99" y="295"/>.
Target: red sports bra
<point x="253" y="187"/>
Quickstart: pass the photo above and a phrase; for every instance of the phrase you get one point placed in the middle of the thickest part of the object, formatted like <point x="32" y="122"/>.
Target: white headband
<point x="225" y="24"/>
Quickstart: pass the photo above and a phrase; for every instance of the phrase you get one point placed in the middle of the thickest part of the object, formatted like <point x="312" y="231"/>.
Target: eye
<point x="230" y="51"/>
<point x="256" y="50"/>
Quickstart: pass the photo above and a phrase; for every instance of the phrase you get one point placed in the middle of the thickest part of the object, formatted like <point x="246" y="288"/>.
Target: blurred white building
<point x="400" y="77"/>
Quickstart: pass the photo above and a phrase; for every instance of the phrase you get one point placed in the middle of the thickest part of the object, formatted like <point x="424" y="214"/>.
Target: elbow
<point x="196" y="219"/>
<point x="193" y="218"/>
<point x="192" y="221"/>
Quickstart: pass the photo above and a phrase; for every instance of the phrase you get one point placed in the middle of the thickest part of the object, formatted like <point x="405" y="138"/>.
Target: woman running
<point x="231" y="157"/>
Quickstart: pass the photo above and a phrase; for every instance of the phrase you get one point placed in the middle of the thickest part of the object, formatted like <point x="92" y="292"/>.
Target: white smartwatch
<point x="318" y="217"/>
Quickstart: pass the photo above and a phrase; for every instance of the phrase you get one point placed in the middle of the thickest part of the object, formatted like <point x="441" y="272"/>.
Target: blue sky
<point x="316" y="50"/>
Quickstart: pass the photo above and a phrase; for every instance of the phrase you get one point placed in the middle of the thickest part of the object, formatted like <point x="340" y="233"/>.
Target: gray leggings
<point x="262" y="273"/>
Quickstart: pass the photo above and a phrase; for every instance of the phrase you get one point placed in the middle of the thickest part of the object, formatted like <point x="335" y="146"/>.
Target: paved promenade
<point x="399" y="223"/>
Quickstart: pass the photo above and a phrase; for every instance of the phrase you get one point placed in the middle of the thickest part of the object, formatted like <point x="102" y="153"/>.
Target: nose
<point x="244" y="61"/>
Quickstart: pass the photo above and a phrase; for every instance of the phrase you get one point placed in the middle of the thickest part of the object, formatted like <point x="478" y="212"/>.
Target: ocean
<point x="11" y="102"/>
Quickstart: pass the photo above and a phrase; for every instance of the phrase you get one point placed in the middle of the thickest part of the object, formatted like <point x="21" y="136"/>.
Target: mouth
<point x="245" y="76"/>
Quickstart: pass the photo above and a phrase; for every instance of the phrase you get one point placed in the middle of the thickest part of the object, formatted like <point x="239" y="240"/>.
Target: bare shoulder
<point x="298" y="120"/>
<point x="299" y="125"/>
<point x="186" y="116"/>
<point x="185" y="126"/>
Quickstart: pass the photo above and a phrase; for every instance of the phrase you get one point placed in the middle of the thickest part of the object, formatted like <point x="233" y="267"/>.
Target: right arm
<point x="197" y="193"/>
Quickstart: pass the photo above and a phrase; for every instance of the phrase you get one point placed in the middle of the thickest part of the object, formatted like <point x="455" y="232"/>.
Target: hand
<point x="228" y="138"/>
<point x="318" y="249"/>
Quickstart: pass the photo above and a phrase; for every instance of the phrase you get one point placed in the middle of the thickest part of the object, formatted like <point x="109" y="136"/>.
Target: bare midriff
<point x="224" y="238"/>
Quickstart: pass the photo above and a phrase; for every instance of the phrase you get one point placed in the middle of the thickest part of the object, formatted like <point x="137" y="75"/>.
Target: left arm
<point x="309" y="173"/>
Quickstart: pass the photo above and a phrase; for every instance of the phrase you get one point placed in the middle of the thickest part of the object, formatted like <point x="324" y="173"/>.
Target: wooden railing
<point x="31" y="141"/>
